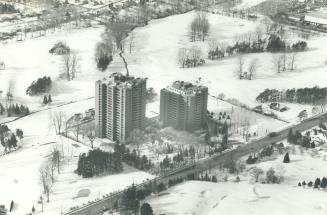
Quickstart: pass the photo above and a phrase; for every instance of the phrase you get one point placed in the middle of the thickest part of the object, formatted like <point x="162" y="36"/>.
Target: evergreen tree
<point x="317" y="183"/>
<point x="19" y="133"/>
<point x="286" y="158"/>
<point x="33" y="209"/>
<point x="129" y="201"/>
<point x="323" y="182"/>
<point x="146" y="209"/>
<point x="310" y="184"/>
<point x="49" y="99"/>
<point x="45" y="100"/>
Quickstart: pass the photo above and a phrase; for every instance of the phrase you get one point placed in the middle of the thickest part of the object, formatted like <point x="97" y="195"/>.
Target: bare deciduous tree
<point x="70" y="64"/>
<point x="56" y="158"/>
<point x="212" y="44"/>
<point x="10" y="95"/>
<point x="57" y="119"/>
<point x="253" y="67"/>
<point x="256" y="173"/>
<point x="258" y="33"/>
<point x="46" y="179"/>
<point x="182" y="56"/>
<point x="240" y="67"/>
<point x="118" y="31"/>
<point x="137" y="137"/>
<point x="278" y="62"/>
<point x="91" y="136"/>
<point x="131" y="40"/>
<point x="199" y="27"/>
<point x="292" y="61"/>
<point x="195" y="54"/>
<point x="76" y="131"/>
<point x="221" y="96"/>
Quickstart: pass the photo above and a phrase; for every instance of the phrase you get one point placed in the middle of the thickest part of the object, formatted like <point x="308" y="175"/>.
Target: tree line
<point x="130" y="201"/>
<point x="133" y="158"/>
<point x="253" y="42"/>
<point x="97" y="162"/>
<point x="313" y="95"/>
<point x="14" y="110"/>
<point x="7" y="8"/>
<point x="317" y="183"/>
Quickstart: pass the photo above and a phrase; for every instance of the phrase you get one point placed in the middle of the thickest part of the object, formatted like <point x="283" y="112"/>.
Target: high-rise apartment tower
<point x="183" y="105"/>
<point x="120" y="102"/>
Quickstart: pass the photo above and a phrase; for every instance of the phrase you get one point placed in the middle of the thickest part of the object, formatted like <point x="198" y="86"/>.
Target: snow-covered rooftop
<point x="319" y="17"/>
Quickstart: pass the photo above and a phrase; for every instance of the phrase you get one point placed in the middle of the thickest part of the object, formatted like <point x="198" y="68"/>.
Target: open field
<point x="159" y="61"/>
<point x="20" y="180"/>
<point x="154" y="55"/>
<point x="248" y="197"/>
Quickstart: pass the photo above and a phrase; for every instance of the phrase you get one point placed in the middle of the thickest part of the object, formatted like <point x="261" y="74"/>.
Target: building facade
<point x="120" y="103"/>
<point x="183" y="105"/>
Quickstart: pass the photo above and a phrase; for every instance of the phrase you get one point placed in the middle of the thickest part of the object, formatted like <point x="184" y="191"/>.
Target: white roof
<point x="315" y="20"/>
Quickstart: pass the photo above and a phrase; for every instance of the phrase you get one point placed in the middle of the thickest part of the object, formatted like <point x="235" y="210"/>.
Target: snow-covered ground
<point x="246" y="4"/>
<point x="207" y="198"/>
<point x="158" y="60"/>
<point x="247" y="197"/>
<point x="19" y="178"/>
<point x="29" y="60"/>
<point x="154" y="55"/>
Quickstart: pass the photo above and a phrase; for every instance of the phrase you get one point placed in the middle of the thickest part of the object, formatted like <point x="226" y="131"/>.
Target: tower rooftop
<point x="188" y="88"/>
<point x="119" y="79"/>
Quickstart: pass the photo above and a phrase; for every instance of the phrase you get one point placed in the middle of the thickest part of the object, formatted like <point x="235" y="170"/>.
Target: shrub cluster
<point x="97" y="162"/>
<point x="42" y="85"/>
<point x="60" y="48"/>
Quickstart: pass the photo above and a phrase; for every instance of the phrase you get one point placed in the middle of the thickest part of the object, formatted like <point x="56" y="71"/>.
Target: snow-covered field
<point x="19" y="178"/>
<point x="29" y="60"/>
<point x="207" y="198"/>
<point x="158" y="60"/>
<point x="246" y="4"/>
<point x="154" y="55"/>
<point x="247" y="197"/>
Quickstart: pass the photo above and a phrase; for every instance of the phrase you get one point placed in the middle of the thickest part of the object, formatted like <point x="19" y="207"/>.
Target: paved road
<point x="46" y="109"/>
<point x="208" y="163"/>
